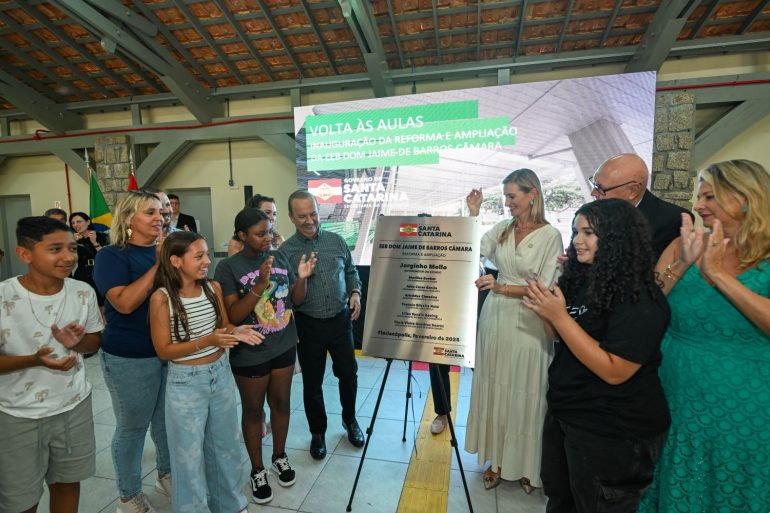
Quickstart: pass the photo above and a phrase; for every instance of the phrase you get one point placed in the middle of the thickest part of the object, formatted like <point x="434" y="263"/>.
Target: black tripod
<point x="370" y="430"/>
<point x="408" y="398"/>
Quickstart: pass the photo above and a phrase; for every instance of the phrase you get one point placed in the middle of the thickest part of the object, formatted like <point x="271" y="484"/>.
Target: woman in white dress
<point x="505" y="421"/>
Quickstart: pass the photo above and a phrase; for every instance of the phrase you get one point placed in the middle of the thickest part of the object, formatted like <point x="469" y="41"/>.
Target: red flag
<point x="132" y="185"/>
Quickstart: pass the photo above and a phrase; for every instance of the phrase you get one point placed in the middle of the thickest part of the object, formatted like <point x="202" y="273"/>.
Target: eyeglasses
<point x="604" y="190"/>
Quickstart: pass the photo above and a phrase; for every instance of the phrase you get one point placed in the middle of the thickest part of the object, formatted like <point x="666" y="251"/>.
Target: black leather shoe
<point x="355" y="435"/>
<point x="318" y="446"/>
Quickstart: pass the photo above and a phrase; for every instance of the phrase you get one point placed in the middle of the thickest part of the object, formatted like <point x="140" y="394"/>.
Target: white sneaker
<point x="163" y="485"/>
<point x="138" y="504"/>
<point x="439" y="424"/>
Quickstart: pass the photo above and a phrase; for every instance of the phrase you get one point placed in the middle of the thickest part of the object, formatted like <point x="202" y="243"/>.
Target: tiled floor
<point x="325" y="486"/>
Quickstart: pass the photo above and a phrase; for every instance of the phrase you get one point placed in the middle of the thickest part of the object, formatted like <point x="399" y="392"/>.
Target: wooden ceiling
<point x="90" y="51"/>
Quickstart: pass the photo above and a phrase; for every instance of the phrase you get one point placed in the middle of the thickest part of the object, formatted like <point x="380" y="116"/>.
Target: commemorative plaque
<point x="422" y="299"/>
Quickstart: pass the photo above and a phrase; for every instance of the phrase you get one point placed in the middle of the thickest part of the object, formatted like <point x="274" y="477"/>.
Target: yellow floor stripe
<point x="426" y="487"/>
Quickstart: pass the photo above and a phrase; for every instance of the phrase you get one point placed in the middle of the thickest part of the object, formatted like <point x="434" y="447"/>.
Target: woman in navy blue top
<point x="134" y="375"/>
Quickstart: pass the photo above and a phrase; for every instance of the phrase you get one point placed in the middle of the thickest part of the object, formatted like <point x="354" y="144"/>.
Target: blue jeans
<point x="203" y="430"/>
<point x="137" y="387"/>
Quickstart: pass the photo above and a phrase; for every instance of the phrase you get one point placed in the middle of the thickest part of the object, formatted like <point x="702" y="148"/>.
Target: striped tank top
<point x="201" y="318"/>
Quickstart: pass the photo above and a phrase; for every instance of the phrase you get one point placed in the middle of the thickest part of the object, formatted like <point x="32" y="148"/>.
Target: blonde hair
<point x="750" y="182"/>
<point x="527" y="180"/>
<point x="128" y="204"/>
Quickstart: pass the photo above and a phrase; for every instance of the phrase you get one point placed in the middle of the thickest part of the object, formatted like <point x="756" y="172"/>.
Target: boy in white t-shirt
<point x="46" y="423"/>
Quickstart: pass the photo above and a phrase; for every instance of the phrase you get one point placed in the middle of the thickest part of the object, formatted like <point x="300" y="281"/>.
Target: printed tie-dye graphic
<point x="273" y="309"/>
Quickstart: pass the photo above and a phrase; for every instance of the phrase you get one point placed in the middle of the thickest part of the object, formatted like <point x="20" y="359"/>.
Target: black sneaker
<point x="286" y="475"/>
<point x="260" y="490"/>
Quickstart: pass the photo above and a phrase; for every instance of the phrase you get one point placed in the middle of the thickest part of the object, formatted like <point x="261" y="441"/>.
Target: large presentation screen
<point x="423" y="153"/>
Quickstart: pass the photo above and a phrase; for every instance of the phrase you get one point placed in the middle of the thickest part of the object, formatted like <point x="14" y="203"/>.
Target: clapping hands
<point x="248" y="335"/>
<point x="547" y="304"/>
<point x="306" y="266"/>
<point x="692" y="241"/>
<point x="46" y="358"/>
<point x="712" y="262"/>
<point x="70" y="335"/>
<point x="711" y="250"/>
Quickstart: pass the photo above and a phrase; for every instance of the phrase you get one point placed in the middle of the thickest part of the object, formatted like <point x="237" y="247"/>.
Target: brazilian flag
<point x="101" y="217"/>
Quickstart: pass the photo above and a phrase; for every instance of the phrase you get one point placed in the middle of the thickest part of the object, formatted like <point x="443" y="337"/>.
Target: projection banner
<point x="401" y="135"/>
<point x="423" y="153"/>
<point x="421" y="287"/>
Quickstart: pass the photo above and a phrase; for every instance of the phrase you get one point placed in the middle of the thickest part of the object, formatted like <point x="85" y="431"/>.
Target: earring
<point x="129" y="232"/>
<point x="745" y="208"/>
<point x="531" y="203"/>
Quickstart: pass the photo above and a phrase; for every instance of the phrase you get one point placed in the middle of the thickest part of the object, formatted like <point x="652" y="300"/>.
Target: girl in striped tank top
<point x="190" y="327"/>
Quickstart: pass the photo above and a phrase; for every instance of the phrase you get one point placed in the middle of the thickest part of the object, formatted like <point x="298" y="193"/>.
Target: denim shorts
<point x="56" y="449"/>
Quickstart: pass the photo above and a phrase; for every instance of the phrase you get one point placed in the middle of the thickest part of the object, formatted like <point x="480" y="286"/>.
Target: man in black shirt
<point x="625" y="177"/>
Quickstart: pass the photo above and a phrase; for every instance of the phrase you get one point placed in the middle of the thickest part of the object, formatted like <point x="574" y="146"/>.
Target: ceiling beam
<point x="21" y="75"/>
<point x="87" y="55"/>
<point x="478" y="31"/>
<point x="51" y="115"/>
<point x="235" y="129"/>
<point x="661" y="35"/>
<point x="129" y="17"/>
<point x="150" y="14"/>
<point x="279" y="35"/>
<point x="57" y="58"/>
<point x="703" y="19"/>
<point x="209" y="40"/>
<point x="152" y="55"/>
<point x="160" y="161"/>
<point x="435" y="31"/>
<point x="394" y="29"/>
<point x="319" y="37"/>
<point x="519" y="28"/>
<point x="245" y="40"/>
<point x="283" y="143"/>
<point x="728" y="128"/>
<point x="73" y="160"/>
<point x="570" y="4"/>
<point x="364" y="27"/>
<point x="34" y="64"/>
<point x="610" y="22"/>
<point x="724" y="89"/>
<point x="573" y="59"/>
<point x="753" y="16"/>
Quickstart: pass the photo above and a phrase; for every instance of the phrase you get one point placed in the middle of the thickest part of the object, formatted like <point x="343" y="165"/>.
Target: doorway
<point x="197" y="203"/>
<point x="12" y="208"/>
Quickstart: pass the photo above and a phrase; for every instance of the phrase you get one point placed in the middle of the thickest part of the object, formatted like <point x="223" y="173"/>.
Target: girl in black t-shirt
<point x="607" y="416"/>
<point x="260" y="290"/>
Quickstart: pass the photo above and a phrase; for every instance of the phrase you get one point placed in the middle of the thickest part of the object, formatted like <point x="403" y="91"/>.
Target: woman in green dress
<point x="716" y="353"/>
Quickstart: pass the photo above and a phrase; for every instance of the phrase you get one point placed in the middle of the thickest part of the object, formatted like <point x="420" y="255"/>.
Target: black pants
<point x="316" y="337"/>
<point x="587" y="473"/>
<point x="440" y="372"/>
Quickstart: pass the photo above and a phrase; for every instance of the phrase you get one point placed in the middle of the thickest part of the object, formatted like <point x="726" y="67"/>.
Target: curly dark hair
<point x="624" y="263"/>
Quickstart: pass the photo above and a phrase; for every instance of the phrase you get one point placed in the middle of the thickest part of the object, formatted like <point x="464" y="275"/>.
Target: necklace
<point x="59" y="314"/>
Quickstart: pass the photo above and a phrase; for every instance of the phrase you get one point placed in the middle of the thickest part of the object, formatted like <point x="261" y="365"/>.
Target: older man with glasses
<point x="625" y="177"/>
